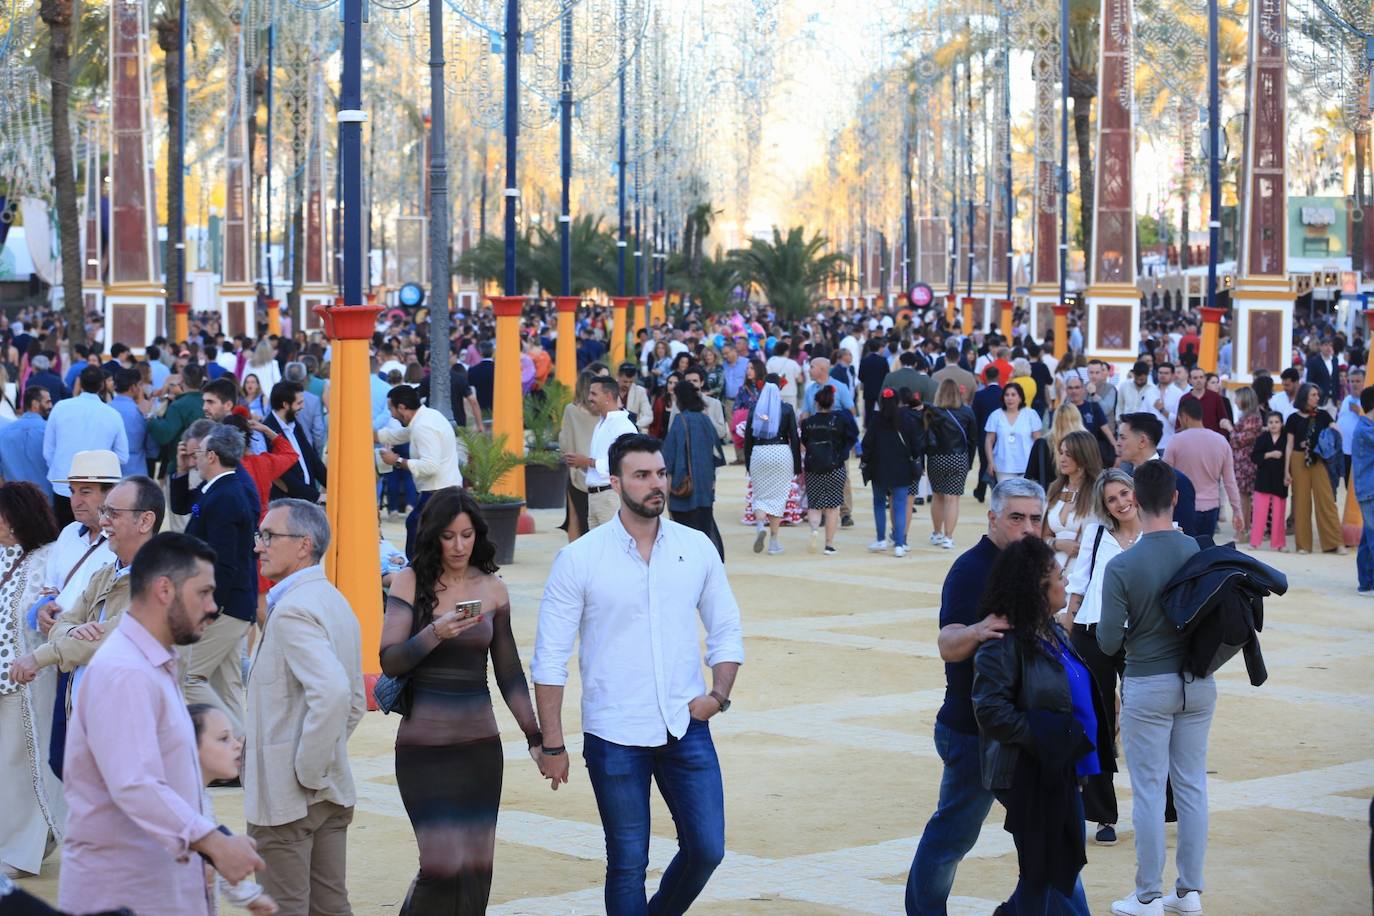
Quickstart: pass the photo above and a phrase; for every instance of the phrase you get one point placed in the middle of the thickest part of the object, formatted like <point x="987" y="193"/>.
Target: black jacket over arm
<point x="294" y="480"/>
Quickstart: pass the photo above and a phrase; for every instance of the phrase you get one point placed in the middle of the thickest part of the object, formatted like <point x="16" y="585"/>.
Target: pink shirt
<point x="1209" y="462"/>
<point x="133" y="786"/>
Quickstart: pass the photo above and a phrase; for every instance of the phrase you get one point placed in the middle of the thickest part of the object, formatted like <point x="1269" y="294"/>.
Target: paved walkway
<point x="830" y="772"/>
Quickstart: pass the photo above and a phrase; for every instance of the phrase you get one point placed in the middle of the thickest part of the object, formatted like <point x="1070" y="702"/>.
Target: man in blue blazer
<point x="224" y="514"/>
<point x="986" y="402"/>
<point x="307" y="478"/>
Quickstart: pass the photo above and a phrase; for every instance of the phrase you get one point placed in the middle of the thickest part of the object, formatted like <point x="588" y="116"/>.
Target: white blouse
<point x="1085" y="578"/>
<point x="1011" y="450"/>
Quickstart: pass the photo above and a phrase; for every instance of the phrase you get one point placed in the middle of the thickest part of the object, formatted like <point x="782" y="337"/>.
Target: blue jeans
<point x="413" y="522"/>
<point x="688" y="776"/>
<point x="1364" y="554"/>
<point x="1036" y="899"/>
<point x="896" y="497"/>
<point x="1205" y="522"/>
<point x="953" y="828"/>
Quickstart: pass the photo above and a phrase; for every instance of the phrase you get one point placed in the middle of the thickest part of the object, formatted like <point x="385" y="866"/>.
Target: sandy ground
<point x="830" y="772"/>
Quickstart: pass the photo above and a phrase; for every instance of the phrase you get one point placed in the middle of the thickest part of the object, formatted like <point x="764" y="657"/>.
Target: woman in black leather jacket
<point x="1042" y="728"/>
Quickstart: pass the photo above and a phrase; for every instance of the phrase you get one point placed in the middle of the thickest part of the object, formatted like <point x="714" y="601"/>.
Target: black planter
<point x="546" y="487"/>
<point x="502" y="521"/>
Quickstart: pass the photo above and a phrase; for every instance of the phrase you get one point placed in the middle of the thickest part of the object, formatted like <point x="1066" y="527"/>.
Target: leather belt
<point x="597" y="489"/>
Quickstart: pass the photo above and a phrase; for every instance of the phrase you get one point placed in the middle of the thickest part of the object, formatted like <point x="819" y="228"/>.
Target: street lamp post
<point x="439" y="267"/>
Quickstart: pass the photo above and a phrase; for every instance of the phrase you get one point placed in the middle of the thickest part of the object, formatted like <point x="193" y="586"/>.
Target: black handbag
<point x="393" y="694"/>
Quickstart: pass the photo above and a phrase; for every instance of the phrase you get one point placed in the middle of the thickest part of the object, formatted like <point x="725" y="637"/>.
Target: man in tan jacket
<point x="130" y="514"/>
<point x="305" y="697"/>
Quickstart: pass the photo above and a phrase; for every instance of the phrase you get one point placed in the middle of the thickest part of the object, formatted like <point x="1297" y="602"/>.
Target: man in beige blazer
<point x="305" y="697"/>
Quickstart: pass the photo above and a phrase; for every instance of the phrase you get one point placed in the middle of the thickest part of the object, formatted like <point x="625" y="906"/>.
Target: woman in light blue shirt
<point x="1011" y="431"/>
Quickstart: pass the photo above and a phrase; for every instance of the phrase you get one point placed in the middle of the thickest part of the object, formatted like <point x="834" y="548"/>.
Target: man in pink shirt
<point x="136" y="834"/>
<point x="1206" y="458"/>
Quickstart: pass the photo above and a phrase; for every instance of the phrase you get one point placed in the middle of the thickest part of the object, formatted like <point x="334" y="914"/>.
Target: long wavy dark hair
<point x="443" y="507"/>
<point x="25" y="509"/>
<point x="1026" y="609"/>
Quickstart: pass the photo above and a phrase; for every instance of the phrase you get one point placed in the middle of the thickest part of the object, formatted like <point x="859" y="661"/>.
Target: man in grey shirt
<point x="1165" y="713"/>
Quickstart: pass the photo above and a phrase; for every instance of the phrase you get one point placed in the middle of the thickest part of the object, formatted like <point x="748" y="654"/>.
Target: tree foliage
<point x="790" y="269"/>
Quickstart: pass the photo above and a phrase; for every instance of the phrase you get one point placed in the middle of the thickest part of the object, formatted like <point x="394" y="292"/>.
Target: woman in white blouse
<point x="1115" y="528"/>
<point x="1010" y="432"/>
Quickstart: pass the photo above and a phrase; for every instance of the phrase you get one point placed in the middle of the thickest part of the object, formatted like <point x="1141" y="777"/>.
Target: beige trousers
<point x="306" y="861"/>
<point x="212" y="669"/>
<point x="602" y="507"/>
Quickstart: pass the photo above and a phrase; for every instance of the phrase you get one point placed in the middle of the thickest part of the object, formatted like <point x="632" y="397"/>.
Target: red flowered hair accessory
<point x="889" y="393"/>
<point x="242" y="412"/>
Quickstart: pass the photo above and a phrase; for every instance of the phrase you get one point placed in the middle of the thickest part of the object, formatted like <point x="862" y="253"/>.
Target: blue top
<point x="136" y="431"/>
<point x="21" y="452"/>
<point x="159" y="371"/>
<point x="959" y="599"/>
<point x="734" y="376"/>
<point x="691" y="446"/>
<point x="80" y="424"/>
<point x="1081" y="692"/>
<point x="844" y="397"/>
<point x="1361" y="465"/>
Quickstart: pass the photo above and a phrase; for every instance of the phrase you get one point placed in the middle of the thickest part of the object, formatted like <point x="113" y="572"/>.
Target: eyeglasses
<point x="265" y="537"/>
<point x="112" y="511"/>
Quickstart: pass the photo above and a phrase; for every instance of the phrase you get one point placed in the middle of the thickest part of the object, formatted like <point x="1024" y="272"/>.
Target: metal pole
<point x="267" y="223"/>
<point x="1006" y="135"/>
<point x="512" y="135"/>
<point x="351" y="118"/>
<point x="565" y="106"/>
<point x="954" y="185"/>
<point x="179" y="179"/>
<point x="1063" y="151"/>
<point x="439" y="267"/>
<point x="621" y="242"/>
<point x="1213" y="151"/>
<point x="971" y="188"/>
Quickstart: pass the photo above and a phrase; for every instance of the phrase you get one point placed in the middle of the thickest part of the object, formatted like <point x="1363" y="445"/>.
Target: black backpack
<point x="824" y="446"/>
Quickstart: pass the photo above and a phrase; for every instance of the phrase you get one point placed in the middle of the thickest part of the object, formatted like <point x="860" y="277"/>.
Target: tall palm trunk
<point x="1083" y="89"/>
<point x="169" y="40"/>
<point x="301" y="135"/>
<point x="57" y="15"/>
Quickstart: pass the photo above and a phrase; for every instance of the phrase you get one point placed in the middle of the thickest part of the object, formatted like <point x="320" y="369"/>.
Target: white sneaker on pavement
<point x="1132" y="906"/>
<point x="947" y="542"/>
<point x="877" y="546"/>
<point x="899" y="550"/>
<point x="774" y="549"/>
<point x="1190" y="903"/>
<point x="935" y="538"/>
<point x="814" y="545"/>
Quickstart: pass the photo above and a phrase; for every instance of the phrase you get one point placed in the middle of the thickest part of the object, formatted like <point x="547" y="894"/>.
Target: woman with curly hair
<point x="1042" y="725"/>
<point x="448" y="748"/>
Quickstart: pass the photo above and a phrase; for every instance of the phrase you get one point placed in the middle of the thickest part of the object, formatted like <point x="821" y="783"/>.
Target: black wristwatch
<point x="721" y="699"/>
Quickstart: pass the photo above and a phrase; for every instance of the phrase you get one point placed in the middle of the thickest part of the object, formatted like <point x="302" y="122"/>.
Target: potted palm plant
<point x="546" y="476"/>
<point x="488" y="462"/>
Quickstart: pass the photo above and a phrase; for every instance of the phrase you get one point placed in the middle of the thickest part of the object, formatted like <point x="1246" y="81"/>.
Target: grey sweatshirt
<point x="1131" y="608"/>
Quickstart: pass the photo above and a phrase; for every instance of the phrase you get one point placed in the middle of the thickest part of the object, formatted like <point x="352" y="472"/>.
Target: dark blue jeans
<point x="953" y="828"/>
<point x="688" y="776"/>
<point x="1364" y="554"/>
<point x="1206" y="522"/>
<point x="413" y="522"/>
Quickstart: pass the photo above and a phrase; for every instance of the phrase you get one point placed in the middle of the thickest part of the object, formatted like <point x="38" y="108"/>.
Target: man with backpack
<point x="1166" y="714"/>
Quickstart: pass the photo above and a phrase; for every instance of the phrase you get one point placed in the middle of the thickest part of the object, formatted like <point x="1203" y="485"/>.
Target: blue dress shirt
<point x="21" y="452"/>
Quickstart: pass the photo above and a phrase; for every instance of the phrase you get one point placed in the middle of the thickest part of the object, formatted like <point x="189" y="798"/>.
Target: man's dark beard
<point x="642" y="509"/>
<point x="179" y="621"/>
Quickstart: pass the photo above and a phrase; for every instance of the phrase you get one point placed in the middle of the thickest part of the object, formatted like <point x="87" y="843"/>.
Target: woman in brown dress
<point x="449" y="760"/>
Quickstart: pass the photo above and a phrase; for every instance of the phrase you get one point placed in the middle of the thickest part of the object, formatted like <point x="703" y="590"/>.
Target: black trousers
<point x="703" y="520"/>
<point x="1099" y="793"/>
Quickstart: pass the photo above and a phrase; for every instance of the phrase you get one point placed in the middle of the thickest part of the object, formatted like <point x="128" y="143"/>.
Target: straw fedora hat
<point x="95" y="466"/>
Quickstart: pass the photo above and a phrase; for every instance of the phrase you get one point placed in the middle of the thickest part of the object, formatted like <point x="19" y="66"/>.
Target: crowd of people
<point x="161" y="534"/>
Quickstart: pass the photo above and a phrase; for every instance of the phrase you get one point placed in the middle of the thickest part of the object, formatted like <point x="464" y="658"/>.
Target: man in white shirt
<point x="433" y="461"/>
<point x="1282" y="401"/>
<point x="603" y="398"/>
<point x="633" y="591"/>
<point x="788" y="371"/>
<point x="1137" y="393"/>
<point x="1166" y="406"/>
<point x="77" y="424"/>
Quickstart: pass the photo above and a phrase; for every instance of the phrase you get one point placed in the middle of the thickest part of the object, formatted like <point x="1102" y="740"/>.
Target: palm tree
<point x="1083" y="40"/>
<point x="715" y="280"/>
<point x="57" y="16"/>
<point x="593" y="257"/>
<point x="790" y="270"/>
<point x="486" y="261"/>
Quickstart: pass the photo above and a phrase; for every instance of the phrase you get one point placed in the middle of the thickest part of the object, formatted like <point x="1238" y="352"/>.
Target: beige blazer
<point x="305" y="697"/>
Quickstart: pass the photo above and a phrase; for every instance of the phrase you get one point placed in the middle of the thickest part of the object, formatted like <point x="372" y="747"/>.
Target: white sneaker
<point x="774" y="549"/>
<point x="1190" y="903"/>
<point x="947" y="542"/>
<point x="814" y="544"/>
<point x="1132" y="906"/>
<point x="878" y="546"/>
<point x="899" y="550"/>
<point x="935" y="538"/>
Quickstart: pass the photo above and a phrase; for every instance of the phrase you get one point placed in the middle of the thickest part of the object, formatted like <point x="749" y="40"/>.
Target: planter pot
<point x="502" y="519"/>
<point x="546" y="487"/>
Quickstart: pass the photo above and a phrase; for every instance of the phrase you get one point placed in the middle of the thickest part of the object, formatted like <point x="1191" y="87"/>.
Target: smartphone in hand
<point x="468" y="609"/>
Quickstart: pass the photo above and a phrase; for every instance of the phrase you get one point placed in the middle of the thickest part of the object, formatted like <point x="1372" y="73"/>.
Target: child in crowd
<point x="220" y="756"/>
<point x="1271" y="494"/>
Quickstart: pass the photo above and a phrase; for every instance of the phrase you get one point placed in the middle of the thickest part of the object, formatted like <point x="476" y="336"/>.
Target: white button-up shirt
<point x="640" y="657"/>
<point x="289" y="431"/>
<point x="70" y="547"/>
<point x="434" y="460"/>
<point x="608" y="429"/>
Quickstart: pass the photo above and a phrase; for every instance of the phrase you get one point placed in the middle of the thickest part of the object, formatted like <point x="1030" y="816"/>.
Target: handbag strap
<point x="1097" y="542"/>
<point x="89" y="550"/>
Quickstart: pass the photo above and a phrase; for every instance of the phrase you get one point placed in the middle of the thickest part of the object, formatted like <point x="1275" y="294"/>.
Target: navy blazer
<point x="293" y="480"/>
<point x="226" y="518"/>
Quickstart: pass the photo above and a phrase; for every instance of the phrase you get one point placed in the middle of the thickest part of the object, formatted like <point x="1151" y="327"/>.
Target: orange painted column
<point x="970" y="304"/>
<point x="274" y="317"/>
<point x="507" y="398"/>
<point x="949" y="309"/>
<point x="1007" y="307"/>
<point x="658" y="308"/>
<point x="181" y="312"/>
<point x="565" y="354"/>
<point x="1211" y="336"/>
<point x="619" y="329"/>
<point x="1061" y="330"/>
<point x="352" y="562"/>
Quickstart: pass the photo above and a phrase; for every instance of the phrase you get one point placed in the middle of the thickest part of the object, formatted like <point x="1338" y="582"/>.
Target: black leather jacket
<point x="1007" y="682"/>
